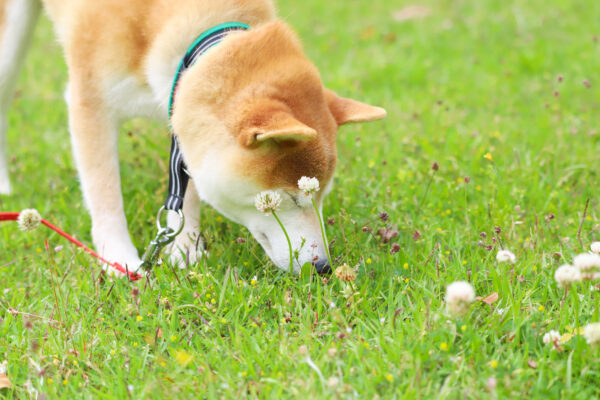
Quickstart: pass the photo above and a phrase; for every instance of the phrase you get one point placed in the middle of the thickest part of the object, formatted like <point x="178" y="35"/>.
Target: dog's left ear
<point x="347" y="110"/>
<point x="277" y="126"/>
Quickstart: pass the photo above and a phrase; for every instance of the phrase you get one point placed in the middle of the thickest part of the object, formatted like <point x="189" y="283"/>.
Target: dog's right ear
<point x="278" y="126"/>
<point x="347" y="111"/>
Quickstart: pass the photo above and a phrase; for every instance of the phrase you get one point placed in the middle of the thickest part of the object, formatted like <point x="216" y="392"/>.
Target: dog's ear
<point x="278" y="126"/>
<point x="347" y="110"/>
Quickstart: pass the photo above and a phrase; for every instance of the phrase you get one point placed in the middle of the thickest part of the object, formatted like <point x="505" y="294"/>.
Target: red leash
<point x="132" y="275"/>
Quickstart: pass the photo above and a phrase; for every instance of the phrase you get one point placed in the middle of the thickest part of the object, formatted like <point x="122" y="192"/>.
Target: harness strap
<point x="178" y="177"/>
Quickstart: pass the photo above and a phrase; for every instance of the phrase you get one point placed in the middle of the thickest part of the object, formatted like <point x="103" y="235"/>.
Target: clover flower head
<point x="267" y="202"/>
<point x="591" y="333"/>
<point x="506" y="256"/>
<point x="308" y="186"/>
<point x="345" y="273"/>
<point x="459" y="295"/>
<point x="29" y="219"/>
<point x="333" y="382"/>
<point x="586" y="261"/>
<point x="566" y="275"/>
<point x="551" y="337"/>
<point x="595" y="247"/>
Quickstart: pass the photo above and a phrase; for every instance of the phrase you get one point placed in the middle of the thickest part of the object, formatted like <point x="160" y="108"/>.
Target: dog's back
<point x="111" y="34"/>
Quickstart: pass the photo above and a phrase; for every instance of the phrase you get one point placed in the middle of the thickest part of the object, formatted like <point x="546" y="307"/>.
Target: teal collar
<point x="201" y="45"/>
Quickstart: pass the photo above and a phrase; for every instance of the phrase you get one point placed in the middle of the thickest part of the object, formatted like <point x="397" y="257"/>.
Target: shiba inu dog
<point x="250" y="114"/>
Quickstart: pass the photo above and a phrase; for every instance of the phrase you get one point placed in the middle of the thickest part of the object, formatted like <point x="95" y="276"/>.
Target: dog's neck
<point x="201" y="45"/>
<point x="178" y="176"/>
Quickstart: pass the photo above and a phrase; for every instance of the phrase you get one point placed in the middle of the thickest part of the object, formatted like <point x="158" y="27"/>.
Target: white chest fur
<point x="128" y="98"/>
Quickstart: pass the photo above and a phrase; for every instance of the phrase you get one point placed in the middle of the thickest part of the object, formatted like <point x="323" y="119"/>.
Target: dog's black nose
<point x="322" y="267"/>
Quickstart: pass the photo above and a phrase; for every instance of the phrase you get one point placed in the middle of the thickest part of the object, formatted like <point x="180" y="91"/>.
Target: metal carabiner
<point x="164" y="237"/>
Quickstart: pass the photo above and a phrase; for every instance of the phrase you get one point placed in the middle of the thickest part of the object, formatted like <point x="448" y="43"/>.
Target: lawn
<point x="503" y="96"/>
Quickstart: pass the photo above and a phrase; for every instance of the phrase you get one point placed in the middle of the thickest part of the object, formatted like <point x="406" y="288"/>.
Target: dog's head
<point x="253" y="115"/>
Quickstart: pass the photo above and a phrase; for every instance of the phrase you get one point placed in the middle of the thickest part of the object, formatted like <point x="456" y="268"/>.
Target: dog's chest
<point x="129" y="98"/>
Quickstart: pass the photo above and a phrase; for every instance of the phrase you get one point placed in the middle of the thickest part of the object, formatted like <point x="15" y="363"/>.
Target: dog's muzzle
<point x="322" y="267"/>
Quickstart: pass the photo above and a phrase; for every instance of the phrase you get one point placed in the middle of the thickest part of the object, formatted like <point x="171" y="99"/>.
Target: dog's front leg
<point x="188" y="247"/>
<point x="94" y="136"/>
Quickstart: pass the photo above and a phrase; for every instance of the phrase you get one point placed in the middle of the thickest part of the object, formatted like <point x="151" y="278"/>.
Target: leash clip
<point x="164" y="237"/>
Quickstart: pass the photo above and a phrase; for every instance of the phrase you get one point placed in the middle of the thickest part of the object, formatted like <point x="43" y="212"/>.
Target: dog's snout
<point x="322" y="267"/>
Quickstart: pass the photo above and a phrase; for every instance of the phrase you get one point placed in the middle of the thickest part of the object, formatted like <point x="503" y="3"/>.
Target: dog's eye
<point x="294" y="198"/>
<point x="300" y="200"/>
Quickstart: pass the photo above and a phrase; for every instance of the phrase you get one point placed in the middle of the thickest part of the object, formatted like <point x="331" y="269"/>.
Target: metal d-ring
<point x="164" y="236"/>
<point x="169" y="231"/>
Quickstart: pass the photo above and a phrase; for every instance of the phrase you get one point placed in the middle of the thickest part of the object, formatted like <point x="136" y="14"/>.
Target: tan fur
<point x="116" y="35"/>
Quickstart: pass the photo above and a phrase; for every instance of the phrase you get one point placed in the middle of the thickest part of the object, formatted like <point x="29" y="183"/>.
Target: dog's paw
<point x="187" y="249"/>
<point x="120" y="253"/>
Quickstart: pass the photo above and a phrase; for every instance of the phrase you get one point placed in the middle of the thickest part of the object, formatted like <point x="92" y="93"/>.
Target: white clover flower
<point x="588" y="264"/>
<point x="491" y="383"/>
<point x="29" y="219"/>
<point x="3" y="367"/>
<point x="267" y="202"/>
<point x="33" y="393"/>
<point x="345" y="273"/>
<point x="595" y="247"/>
<point x="333" y="382"/>
<point x="308" y="186"/>
<point x="303" y="350"/>
<point x="591" y="333"/>
<point x="586" y="261"/>
<point x="459" y="295"/>
<point x="566" y="275"/>
<point x="551" y="337"/>
<point x="590" y="276"/>
<point x="460" y="291"/>
<point x="506" y="256"/>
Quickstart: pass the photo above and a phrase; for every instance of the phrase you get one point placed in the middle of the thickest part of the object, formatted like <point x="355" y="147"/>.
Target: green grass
<point x="473" y="77"/>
